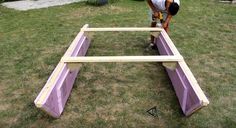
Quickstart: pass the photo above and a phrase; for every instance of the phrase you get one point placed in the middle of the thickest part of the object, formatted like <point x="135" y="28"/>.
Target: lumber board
<point x="56" y="91"/>
<point x="190" y="95"/>
<point x="122" y="59"/>
<point x="130" y="29"/>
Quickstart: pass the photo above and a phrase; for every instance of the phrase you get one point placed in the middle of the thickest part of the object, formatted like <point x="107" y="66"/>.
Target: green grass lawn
<point x="117" y="94"/>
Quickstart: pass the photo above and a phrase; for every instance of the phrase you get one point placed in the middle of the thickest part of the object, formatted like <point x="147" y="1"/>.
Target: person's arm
<point x="165" y="25"/>
<point x="155" y="11"/>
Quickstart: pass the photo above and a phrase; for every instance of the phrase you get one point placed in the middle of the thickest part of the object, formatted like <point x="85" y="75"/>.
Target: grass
<point x="117" y="94"/>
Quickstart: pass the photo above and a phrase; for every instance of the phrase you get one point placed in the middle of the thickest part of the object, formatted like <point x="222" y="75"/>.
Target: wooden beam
<point x="196" y="87"/>
<point x="170" y="65"/>
<point x="122" y="59"/>
<point x="121" y="29"/>
<point x="170" y="43"/>
<point x="190" y="95"/>
<point x="186" y="71"/>
<point x="155" y="34"/>
<point x="53" y="96"/>
<point x="227" y="1"/>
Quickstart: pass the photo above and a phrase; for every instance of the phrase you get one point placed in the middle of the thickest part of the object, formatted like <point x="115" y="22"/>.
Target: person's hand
<point x="165" y="25"/>
<point x="156" y="15"/>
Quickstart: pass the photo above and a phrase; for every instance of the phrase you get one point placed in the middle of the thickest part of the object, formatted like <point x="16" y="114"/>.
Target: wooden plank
<point x="122" y="59"/>
<point x="195" y="85"/>
<point x="155" y="34"/>
<point x="131" y="29"/>
<point x="228" y="1"/>
<point x="70" y="50"/>
<point x="189" y="93"/>
<point x="56" y="72"/>
<point x="170" y="65"/>
<point x="56" y="91"/>
<point x="185" y="68"/>
<point x="169" y="43"/>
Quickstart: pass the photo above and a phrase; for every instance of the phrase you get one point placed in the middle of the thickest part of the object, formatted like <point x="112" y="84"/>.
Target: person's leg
<point x="153" y="24"/>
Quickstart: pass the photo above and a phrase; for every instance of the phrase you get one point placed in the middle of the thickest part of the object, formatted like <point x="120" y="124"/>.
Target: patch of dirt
<point x="149" y="120"/>
<point x="89" y="12"/>
<point x="100" y="85"/>
<point x="3" y="106"/>
<point x="117" y="9"/>
<point x="107" y="112"/>
<point x="115" y="90"/>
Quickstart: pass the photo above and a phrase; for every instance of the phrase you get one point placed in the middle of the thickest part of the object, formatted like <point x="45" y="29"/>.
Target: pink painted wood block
<point x="187" y="91"/>
<point x="53" y="96"/>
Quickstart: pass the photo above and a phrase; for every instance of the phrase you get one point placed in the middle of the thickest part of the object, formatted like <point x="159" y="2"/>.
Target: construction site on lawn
<point x="54" y="95"/>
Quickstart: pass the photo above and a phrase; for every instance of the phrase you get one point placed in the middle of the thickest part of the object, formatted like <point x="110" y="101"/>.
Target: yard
<point x="117" y="94"/>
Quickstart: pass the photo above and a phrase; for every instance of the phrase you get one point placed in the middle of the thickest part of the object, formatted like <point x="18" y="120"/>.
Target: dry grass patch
<point x="88" y="11"/>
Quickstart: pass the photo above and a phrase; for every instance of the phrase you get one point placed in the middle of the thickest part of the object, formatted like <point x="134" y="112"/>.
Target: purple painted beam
<point x="56" y="91"/>
<point x="189" y="93"/>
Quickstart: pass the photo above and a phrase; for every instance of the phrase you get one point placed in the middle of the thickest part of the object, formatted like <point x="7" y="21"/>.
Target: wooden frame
<point x="53" y="96"/>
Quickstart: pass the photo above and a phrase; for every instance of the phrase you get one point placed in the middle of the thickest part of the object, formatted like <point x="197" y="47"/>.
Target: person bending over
<point x="162" y="12"/>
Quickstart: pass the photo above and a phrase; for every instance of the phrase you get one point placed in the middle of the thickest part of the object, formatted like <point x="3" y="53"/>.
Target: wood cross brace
<point x="168" y="61"/>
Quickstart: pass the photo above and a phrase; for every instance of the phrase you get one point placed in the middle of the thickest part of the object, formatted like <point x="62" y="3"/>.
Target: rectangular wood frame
<point x="53" y="96"/>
